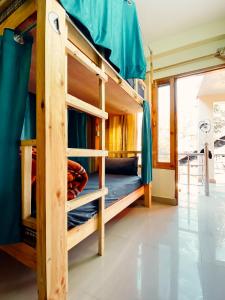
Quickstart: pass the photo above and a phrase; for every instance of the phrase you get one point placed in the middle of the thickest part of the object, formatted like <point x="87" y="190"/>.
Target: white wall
<point x="163" y="185"/>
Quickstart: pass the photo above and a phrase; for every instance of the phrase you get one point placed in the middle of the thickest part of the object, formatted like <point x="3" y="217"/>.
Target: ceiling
<point x="160" y="18"/>
<point x="213" y="84"/>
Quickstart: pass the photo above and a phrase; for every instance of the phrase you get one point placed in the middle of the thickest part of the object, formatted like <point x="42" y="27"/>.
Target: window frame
<point x="157" y="164"/>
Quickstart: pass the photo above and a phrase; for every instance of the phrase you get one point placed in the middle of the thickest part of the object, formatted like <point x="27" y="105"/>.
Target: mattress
<point x="118" y="185"/>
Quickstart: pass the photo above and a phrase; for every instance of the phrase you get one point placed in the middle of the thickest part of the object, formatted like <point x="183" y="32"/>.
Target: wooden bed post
<point x="148" y="95"/>
<point x="148" y="195"/>
<point x="101" y="221"/>
<point x="52" y="256"/>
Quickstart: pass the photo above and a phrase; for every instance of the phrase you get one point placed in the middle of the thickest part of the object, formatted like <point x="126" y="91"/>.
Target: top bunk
<point x="84" y="71"/>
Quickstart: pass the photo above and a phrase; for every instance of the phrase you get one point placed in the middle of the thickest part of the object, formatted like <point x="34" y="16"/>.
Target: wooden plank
<point x="23" y="253"/>
<point x="75" y="152"/>
<point x="148" y="195"/>
<point x="52" y="258"/>
<point x="19" y="16"/>
<point x="123" y="203"/>
<point x="4" y="4"/>
<point x="125" y="152"/>
<point x="30" y="223"/>
<point x="86" y="107"/>
<point x="79" y="233"/>
<point x="26" y="169"/>
<point x="88" y="49"/>
<point x="84" y="60"/>
<point x="75" y="37"/>
<point x="28" y="143"/>
<point x="123" y="84"/>
<point x="79" y="201"/>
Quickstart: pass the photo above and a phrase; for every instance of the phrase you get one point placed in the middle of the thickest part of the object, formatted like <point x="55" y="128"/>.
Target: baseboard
<point x="164" y="200"/>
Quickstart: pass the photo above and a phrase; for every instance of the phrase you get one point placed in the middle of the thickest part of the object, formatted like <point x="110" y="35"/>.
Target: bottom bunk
<point x="131" y="185"/>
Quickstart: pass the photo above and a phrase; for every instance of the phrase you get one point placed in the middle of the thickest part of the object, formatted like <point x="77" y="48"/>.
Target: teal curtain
<point x="146" y="171"/>
<point x="29" y="126"/>
<point x="77" y="134"/>
<point x="113" y="25"/>
<point x="15" y="61"/>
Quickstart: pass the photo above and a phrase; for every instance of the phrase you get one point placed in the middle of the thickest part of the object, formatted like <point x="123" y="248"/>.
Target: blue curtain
<point x="15" y="62"/>
<point x="112" y="25"/>
<point x="77" y="134"/>
<point x="146" y="171"/>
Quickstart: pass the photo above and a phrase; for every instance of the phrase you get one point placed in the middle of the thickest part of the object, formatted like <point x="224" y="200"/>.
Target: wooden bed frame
<point x="58" y="52"/>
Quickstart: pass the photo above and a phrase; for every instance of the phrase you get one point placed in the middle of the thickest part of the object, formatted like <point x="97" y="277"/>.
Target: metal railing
<point x="219" y="167"/>
<point x="198" y="162"/>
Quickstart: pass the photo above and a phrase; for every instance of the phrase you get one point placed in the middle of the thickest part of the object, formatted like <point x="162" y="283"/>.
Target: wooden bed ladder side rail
<point x="26" y="169"/>
<point x="52" y="255"/>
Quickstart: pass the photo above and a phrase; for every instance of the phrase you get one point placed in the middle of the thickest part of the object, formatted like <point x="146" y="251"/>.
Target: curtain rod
<point x="28" y="29"/>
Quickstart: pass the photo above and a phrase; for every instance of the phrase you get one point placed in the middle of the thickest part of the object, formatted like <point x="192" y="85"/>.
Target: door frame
<point x="174" y="120"/>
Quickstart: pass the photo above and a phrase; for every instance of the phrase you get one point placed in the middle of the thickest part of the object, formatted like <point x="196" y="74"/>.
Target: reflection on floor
<point x="168" y="253"/>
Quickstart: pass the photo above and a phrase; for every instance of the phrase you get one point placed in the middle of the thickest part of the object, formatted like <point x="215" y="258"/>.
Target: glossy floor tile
<point x="166" y="253"/>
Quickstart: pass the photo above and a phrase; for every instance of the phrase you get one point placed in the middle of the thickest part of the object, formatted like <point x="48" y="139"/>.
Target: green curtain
<point x="77" y="134"/>
<point x="146" y="171"/>
<point x="113" y="25"/>
<point x="15" y="61"/>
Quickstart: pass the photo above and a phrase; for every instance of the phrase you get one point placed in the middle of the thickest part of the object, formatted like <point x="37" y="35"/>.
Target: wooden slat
<point x="28" y="143"/>
<point x="120" y="205"/>
<point x="23" y="253"/>
<point x="86" y="107"/>
<point x="123" y="84"/>
<point x="125" y="152"/>
<point x="79" y="233"/>
<point x="19" y="16"/>
<point x="75" y="152"/>
<point x="87" y="48"/>
<point x="77" y="39"/>
<point x="84" y="60"/>
<point x="79" y="201"/>
<point x="30" y="223"/>
<point x="52" y="258"/>
<point x="26" y="168"/>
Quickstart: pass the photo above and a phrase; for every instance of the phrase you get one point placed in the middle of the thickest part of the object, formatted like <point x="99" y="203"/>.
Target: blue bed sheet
<point x="118" y="185"/>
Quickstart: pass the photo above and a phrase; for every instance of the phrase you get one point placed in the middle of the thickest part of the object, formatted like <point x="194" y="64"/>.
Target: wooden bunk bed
<point x="63" y="62"/>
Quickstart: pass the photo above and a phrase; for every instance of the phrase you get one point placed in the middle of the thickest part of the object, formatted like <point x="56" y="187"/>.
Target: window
<point x="164" y="124"/>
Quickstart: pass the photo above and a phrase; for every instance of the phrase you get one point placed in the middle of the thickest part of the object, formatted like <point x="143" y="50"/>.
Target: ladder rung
<point x="86" y="152"/>
<point x="85" y="107"/>
<point x="84" y="60"/>
<point x="82" y="200"/>
<point x="29" y="143"/>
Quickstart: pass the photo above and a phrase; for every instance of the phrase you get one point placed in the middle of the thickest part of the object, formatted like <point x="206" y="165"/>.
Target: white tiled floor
<point x="168" y="253"/>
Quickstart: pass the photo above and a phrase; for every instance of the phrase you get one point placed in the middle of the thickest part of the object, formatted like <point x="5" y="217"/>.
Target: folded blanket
<point x="76" y="177"/>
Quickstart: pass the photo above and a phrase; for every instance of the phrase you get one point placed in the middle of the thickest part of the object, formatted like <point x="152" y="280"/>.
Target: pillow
<point x="122" y="166"/>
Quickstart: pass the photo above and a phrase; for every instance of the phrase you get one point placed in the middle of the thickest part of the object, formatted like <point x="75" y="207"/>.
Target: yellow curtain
<point x="121" y="133"/>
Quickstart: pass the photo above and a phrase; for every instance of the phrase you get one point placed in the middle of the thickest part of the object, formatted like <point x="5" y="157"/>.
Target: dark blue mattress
<point x="118" y="185"/>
